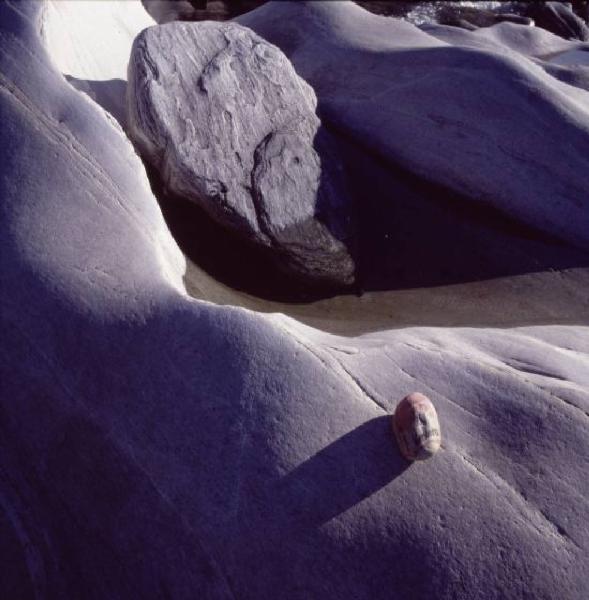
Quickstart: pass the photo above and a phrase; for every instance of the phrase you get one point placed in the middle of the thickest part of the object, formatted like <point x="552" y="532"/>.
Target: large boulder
<point x="229" y="125"/>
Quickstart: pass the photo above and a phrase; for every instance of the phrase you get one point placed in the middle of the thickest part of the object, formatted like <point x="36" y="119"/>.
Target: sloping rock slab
<point x="230" y="126"/>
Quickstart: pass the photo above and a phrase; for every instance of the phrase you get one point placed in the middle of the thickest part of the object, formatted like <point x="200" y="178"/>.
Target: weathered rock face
<point x="230" y="126"/>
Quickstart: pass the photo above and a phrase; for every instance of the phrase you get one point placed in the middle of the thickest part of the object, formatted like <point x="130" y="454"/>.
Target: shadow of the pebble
<point x="343" y="474"/>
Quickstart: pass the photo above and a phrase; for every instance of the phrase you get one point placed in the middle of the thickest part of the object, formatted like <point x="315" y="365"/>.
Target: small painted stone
<point x="416" y="427"/>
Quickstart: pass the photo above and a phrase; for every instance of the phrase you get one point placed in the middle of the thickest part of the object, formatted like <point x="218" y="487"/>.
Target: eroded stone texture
<point x="229" y="124"/>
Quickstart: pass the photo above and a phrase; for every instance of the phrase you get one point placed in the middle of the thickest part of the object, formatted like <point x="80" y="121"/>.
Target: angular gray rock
<point x="230" y="126"/>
